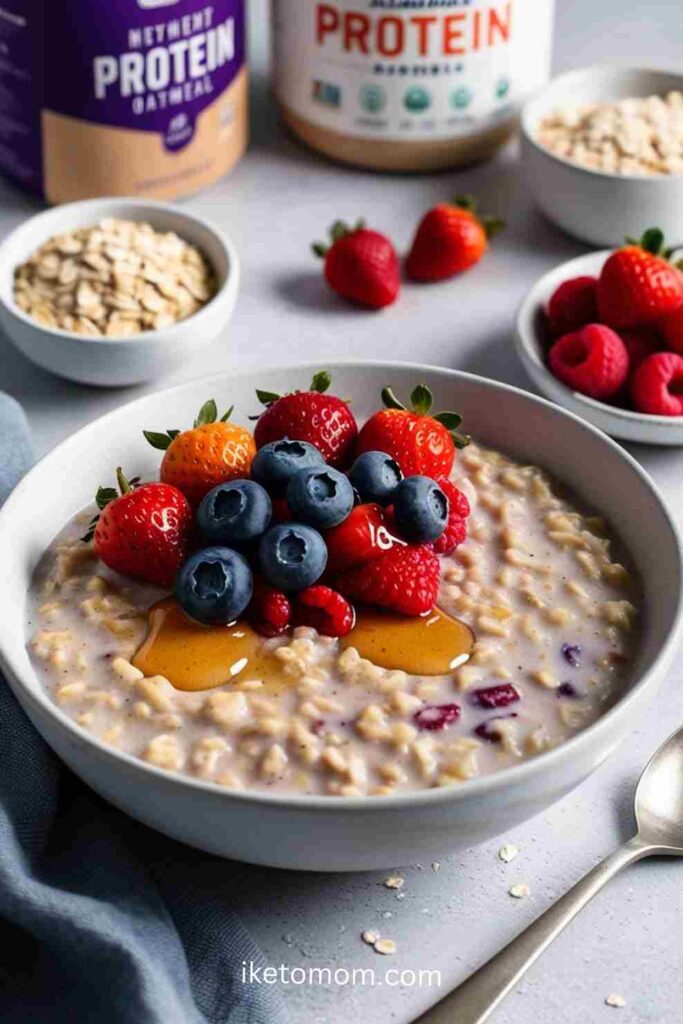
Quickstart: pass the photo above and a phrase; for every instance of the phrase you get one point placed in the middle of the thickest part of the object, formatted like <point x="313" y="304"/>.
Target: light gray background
<point x="276" y="202"/>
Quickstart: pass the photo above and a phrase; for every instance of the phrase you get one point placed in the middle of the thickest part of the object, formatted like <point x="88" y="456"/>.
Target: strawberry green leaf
<point x="104" y="496"/>
<point x="173" y="434"/>
<point x="390" y="400"/>
<point x="460" y="440"/>
<point x="421" y="400"/>
<point x="321" y="381"/>
<point x="653" y="241"/>
<point x="320" y="249"/>
<point x="450" y="420"/>
<point x="158" y="441"/>
<point x="466" y="203"/>
<point x="207" y="414"/>
<point x="338" y="231"/>
<point x="226" y="415"/>
<point x="492" y="226"/>
<point x="266" y="397"/>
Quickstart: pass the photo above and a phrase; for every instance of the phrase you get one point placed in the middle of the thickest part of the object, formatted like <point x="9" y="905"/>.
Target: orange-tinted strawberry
<point x="366" y="534"/>
<point x="199" y="459"/>
<point x="144" y="532"/>
<point x="419" y="442"/>
<point x="450" y="238"/>
<point x="404" y="580"/>
<point x="320" y="419"/>
<point x="638" y="285"/>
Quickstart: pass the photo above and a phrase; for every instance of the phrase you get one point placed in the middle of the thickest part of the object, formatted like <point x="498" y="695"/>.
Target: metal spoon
<point x="659" y="814"/>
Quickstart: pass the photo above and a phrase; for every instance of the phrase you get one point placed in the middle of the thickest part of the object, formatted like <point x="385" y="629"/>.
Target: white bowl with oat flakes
<point x="112" y="292"/>
<point x="269" y="821"/>
<point x="602" y="152"/>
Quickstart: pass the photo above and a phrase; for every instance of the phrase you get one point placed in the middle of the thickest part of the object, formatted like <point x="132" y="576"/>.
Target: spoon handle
<point x="478" y="996"/>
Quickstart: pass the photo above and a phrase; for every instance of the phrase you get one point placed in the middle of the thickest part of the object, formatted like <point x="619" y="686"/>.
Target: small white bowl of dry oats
<point x="602" y="152"/>
<point x="112" y="292"/>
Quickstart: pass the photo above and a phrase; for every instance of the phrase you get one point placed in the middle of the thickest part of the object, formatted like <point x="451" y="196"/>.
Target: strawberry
<point x="144" y="532"/>
<point x="458" y="511"/>
<point x="323" y="420"/>
<point x="420" y="443"/>
<point x="638" y="285"/>
<point x="361" y="265"/>
<point x="404" y="580"/>
<point x="364" y="535"/>
<point x="324" y="610"/>
<point x="672" y="330"/>
<point x="450" y="238"/>
<point x="211" y="453"/>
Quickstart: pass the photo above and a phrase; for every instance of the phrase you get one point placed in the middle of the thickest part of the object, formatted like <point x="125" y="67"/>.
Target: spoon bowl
<point x="659" y="798"/>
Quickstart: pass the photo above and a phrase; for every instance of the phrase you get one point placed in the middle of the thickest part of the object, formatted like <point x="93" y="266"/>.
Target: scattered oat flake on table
<point x="435" y="866"/>
<point x="394" y="882"/>
<point x="519" y="891"/>
<point x="370" y="937"/>
<point x="508" y="852"/>
<point x="615" y="1000"/>
<point x="387" y="947"/>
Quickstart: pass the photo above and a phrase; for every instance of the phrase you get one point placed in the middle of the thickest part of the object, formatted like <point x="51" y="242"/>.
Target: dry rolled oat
<point x="114" y="279"/>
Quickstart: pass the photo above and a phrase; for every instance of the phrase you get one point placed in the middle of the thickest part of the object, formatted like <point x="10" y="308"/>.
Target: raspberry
<point x="270" y="611"/>
<point x="640" y="343"/>
<point x="573" y="305"/>
<point x="456" y="528"/>
<point x="324" y="610"/>
<point x="672" y="330"/>
<point x="436" y="717"/>
<point x="592" y="361"/>
<point x="657" y="385"/>
<point x="498" y="696"/>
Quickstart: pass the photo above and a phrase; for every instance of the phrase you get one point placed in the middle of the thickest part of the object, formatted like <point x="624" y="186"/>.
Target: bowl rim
<point x="224" y="292"/>
<point x="487" y="784"/>
<point x="576" y="73"/>
<point x="529" y="344"/>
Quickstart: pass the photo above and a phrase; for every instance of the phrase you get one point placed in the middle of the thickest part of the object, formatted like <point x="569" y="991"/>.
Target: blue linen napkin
<point x="102" y="919"/>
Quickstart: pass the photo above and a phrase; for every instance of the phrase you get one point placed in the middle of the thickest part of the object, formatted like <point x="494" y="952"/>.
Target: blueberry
<point x="277" y="462"/>
<point x="321" y="497"/>
<point x="215" y="585"/>
<point x="292" y="556"/>
<point x="235" y="512"/>
<point x="420" y="508"/>
<point x="375" y="475"/>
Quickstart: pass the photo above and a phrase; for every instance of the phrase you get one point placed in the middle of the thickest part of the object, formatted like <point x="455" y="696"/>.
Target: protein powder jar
<point x="121" y="97"/>
<point x="408" y="85"/>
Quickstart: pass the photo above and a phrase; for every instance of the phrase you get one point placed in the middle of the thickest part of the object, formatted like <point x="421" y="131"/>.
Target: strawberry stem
<point x="421" y="401"/>
<point x="340" y="229"/>
<point x="491" y="225"/>
<point x="124" y="486"/>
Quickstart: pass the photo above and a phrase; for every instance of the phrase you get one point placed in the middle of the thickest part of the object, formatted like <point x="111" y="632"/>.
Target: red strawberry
<point x="145" y="532"/>
<point x="421" y="443"/>
<point x="450" y="238"/>
<point x="269" y="611"/>
<point x="323" y="420"/>
<point x="364" y="535"/>
<point x="672" y="330"/>
<point x="325" y="610"/>
<point x="573" y="305"/>
<point x="592" y="361"/>
<point x="657" y="385"/>
<point x="404" y="580"/>
<point x="638" y="285"/>
<point x="361" y="265"/>
<point x="640" y="343"/>
<point x="458" y="511"/>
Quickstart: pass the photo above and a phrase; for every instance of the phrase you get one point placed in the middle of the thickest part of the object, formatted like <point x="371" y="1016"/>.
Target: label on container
<point x="409" y="69"/>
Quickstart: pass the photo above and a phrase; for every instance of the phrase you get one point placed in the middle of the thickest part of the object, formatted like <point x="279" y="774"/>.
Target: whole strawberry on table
<point x="295" y="524"/>
<point x="618" y="338"/>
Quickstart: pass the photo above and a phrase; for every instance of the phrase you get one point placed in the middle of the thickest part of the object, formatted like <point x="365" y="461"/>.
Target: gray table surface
<point x="277" y="201"/>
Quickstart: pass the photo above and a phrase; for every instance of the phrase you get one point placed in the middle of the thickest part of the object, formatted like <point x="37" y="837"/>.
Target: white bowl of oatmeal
<point x="578" y="609"/>
<point x="603" y="174"/>
<point x="114" y="292"/>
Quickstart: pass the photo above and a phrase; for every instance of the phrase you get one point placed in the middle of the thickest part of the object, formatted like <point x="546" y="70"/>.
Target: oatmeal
<point x="114" y="279"/>
<point x="537" y="586"/>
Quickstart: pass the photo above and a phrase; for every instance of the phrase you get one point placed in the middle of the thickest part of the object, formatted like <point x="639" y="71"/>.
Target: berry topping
<point x="418" y="441"/>
<point x="592" y="361"/>
<point x="420" y="509"/>
<point x="214" y="586"/>
<point x="270" y="611"/>
<point x="325" y="610"/>
<point x="569" y="691"/>
<point x="322" y="420"/>
<point x="321" y="497"/>
<point x="672" y="330"/>
<point x="292" y="556"/>
<point x="638" y="285"/>
<point x="375" y="476"/>
<point x="498" y="696"/>
<point x="276" y="463"/>
<point x="435" y="717"/>
<point x="458" y="512"/>
<point x="366" y="534"/>
<point x="234" y="513"/>
<point x="360" y="265"/>
<point x="640" y="343"/>
<point x="450" y="238"/>
<point x="144" y="532"/>
<point x="404" y="580"/>
<point x="573" y="305"/>
<point x="572" y="654"/>
<point x="657" y="385"/>
<point x="489" y="731"/>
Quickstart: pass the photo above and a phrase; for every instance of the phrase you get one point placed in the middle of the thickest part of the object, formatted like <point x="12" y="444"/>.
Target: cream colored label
<point x="409" y="69"/>
<point x="82" y="160"/>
